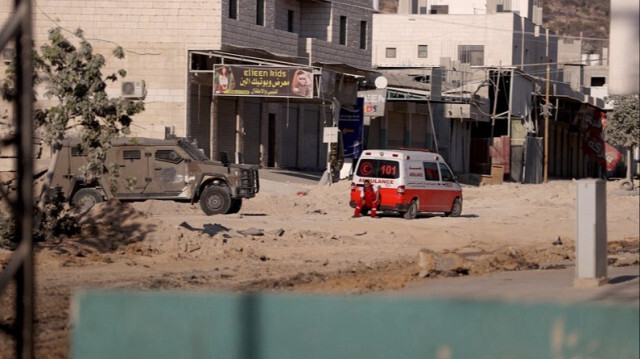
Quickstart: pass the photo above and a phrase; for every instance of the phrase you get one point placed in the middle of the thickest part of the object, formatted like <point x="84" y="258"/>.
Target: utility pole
<point x="546" y="129"/>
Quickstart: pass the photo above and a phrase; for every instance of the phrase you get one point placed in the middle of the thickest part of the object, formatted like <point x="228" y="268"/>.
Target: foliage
<point x="7" y="231"/>
<point x="72" y="77"/>
<point x="623" y="124"/>
<point x="54" y="221"/>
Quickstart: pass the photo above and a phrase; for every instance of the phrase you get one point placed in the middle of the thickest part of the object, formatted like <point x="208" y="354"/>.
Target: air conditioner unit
<point x="134" y="89"/>
<point x="8" y="54"/>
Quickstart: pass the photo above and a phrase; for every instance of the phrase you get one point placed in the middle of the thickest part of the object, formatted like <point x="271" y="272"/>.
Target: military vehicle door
<point x="170" y="170"/>
<point x="134" y="176"/>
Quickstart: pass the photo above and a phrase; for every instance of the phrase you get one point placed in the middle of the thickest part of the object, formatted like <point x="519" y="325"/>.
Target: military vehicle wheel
<point x="84" y="199"/>
<point x="456" y="209"/>
<point x="236" y="205"/>
<point x="215" y="200"/>
<point x="412" y="212"/>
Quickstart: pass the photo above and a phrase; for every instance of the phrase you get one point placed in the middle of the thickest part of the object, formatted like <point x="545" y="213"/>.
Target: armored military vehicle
<point x="173" y="169"/>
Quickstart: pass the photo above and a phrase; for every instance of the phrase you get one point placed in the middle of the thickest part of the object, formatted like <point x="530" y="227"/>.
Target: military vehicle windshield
<point x="194" y="152"/>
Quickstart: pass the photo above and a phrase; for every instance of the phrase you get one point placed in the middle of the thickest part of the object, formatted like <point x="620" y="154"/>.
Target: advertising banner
<point x="374" y="101"/>
<point x="351" y="125"/>
<point x="263" y="81"/>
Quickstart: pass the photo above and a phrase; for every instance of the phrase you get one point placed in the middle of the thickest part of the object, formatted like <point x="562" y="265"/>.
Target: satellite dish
<point x="381" y="82"/>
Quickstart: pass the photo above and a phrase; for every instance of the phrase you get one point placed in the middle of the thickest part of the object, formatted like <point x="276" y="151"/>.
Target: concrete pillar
<point x="591" y="233"/>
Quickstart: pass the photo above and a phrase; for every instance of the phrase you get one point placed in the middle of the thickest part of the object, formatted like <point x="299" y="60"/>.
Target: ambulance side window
<point x="447" y="176"/>
<point x="431" y="171"/>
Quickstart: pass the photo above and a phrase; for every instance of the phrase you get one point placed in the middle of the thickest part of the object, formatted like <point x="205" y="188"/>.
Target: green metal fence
<point x="204" y="325"/>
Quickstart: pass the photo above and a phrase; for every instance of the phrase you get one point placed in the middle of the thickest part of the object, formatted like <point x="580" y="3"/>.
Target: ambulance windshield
<point x="378" y="168"/>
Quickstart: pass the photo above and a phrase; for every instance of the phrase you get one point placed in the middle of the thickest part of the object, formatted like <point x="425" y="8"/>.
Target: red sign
<point x="594" y="146"/>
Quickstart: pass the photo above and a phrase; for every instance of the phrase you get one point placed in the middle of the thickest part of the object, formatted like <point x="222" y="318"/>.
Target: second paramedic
<point x="369" y="199"/>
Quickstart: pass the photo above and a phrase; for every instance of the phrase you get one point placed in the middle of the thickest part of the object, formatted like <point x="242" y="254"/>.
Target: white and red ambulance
<point x="409" y="182"/>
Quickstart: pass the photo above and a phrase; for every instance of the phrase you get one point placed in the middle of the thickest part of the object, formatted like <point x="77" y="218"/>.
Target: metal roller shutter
<point x="252" y="115"/>
<point x="289" y="138"/>
<point x="309" y="142"/>
<point x="418" y="131"/>
<point x="396" y="130"/>
<point x="199" y="122"/>
<point x="226" y="109"/>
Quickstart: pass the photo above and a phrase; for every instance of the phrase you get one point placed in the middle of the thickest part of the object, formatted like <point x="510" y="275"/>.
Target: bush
<point x="49" y="225"/>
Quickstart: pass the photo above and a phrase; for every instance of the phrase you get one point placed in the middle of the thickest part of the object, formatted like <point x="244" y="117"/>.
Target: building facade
<point x="171" y="49"/>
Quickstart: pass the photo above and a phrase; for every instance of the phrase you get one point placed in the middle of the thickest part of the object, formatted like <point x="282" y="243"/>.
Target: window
<point x="422" y="51"/>
<point x="233" y="9"/>
<point x="343" y="30"/>
<point x="131" y="154"/>
<point x="471" y="54"/>
<point x="390" y="53"/>
<point x="431" y="171"/>
<point x="414" y="6"/>
<point x="447" y="176"/>
<point x="598" y="81"/>
<point x="363" y="34"/>
<point x="76" y="151"/>
<point x="379" y="169"/>
<point x="168" y="156"/>
<point x="260" y="12"/>
<point x="290" y="20"/>
<point x="439" y="9"/>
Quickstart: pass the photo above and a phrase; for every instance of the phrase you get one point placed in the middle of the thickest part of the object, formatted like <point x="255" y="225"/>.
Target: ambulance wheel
<point x="456" y="209"/>
<point x="215" y="200"/>
<point x="85" y="199"/>
<point x="412" y="212"/>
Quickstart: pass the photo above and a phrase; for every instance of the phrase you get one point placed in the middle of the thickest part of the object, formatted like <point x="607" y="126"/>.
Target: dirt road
<point x="302" y="238"/>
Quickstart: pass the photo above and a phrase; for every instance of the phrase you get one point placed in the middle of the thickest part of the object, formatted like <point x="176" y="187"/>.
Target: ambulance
<point x="409" y="182"/>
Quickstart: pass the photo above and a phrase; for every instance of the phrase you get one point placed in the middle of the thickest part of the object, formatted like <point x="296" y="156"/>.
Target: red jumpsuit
<point x="370" y="198"/>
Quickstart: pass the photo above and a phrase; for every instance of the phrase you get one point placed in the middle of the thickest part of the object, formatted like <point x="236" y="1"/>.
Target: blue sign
<point x="351" y="125"/>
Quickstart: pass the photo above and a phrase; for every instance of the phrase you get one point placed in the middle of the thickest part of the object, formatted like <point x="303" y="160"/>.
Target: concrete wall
<point x="155" y="35"/>
<point x="500" y="33"/>
<point x="442" y="34"/>
<point x="526" y="8"/>
<point x="158" y="34"/>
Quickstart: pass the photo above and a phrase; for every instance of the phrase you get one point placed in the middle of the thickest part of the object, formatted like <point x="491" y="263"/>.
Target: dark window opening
<point x="390" y="53"/>
<point x="471" y="54"/>
<point x="343" y="30"/>
<point x="233" y="9"/>
<point x="431" y="171"/>
<point x="76" y="151"/>
<point x="379" y="169"/>
<point x="168" y="156"/>
<point x="260" y="12"/>
<point x="131" y="154"/>
<point x="447" y="176"/>
<point x="439" y="9"/>
<point x="290" y="20"/>
<point x="422" y="51"/>
<point x="414" y="6"/>
<point x="598" y="81"/>
<point x="363" y="34"/>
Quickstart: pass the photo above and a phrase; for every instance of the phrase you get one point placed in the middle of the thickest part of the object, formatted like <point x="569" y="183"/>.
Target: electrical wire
<point x="93" y="39"/>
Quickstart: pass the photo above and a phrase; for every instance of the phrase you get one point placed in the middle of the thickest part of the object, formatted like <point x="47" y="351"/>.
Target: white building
<point x="504" y="38"/>
<point x="531" y="9"/>
<point x="171" y="47"/>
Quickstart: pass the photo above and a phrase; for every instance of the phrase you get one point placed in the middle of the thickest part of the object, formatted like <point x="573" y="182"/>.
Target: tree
<point x="623" y="128"/>
<point x="72" y="75"/>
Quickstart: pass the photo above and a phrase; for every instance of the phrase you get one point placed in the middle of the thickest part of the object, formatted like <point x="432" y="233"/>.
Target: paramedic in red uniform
<point x="370" y="199"/>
